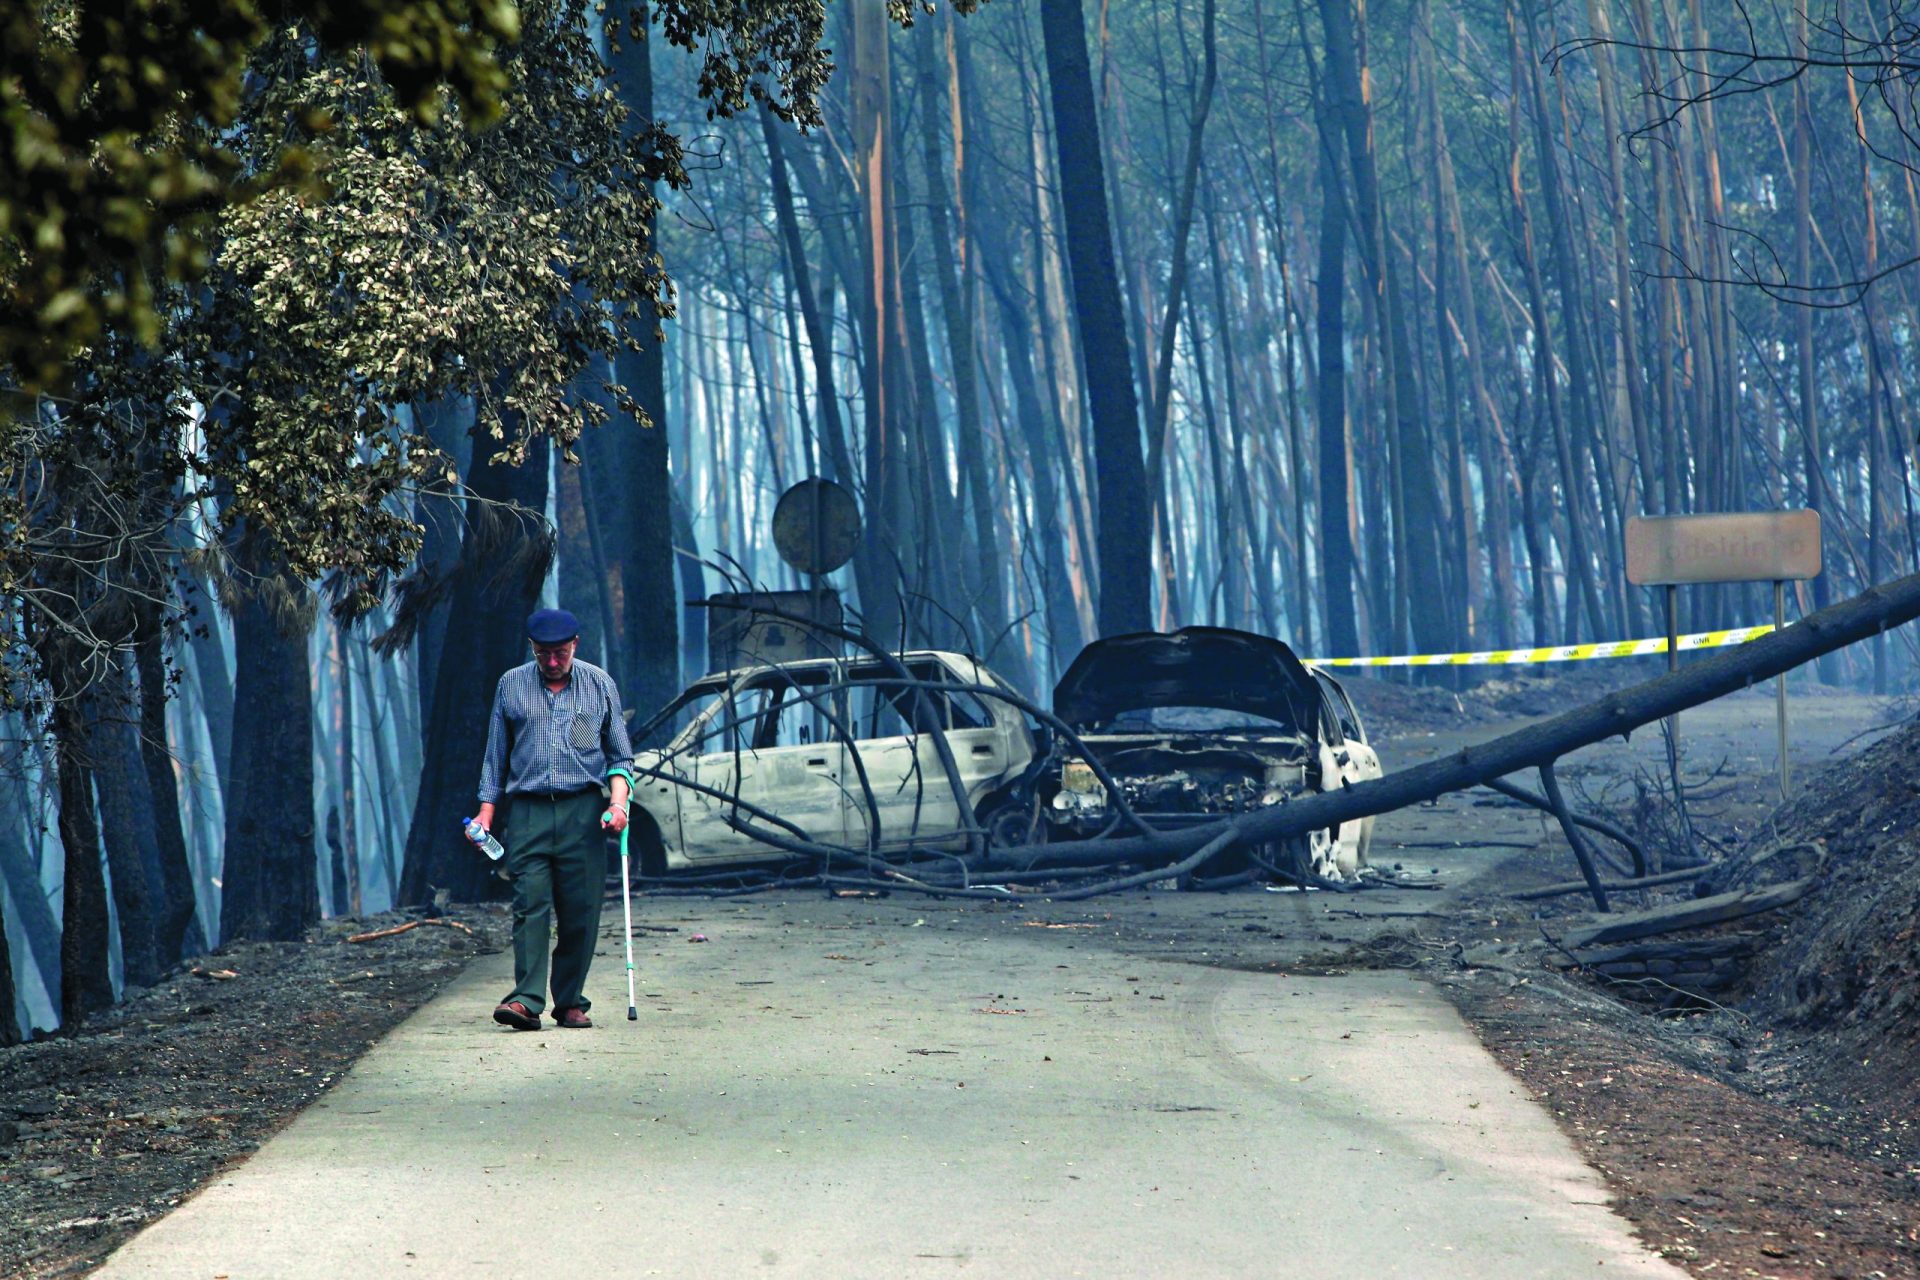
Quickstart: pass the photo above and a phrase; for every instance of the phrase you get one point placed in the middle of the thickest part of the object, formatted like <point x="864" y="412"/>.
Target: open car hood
<point x="1191" y="667"/>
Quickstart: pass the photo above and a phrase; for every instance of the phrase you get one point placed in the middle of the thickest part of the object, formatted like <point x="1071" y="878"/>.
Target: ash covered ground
<point x="1767" y="1133"/>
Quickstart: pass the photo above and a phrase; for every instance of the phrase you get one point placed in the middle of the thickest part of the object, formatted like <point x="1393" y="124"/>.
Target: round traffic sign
<point x="816" y="526"/>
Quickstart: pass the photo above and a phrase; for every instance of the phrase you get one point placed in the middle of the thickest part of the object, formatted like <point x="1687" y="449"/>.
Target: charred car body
<point x="838" y="749"/>
<point x="1200" y="724"/>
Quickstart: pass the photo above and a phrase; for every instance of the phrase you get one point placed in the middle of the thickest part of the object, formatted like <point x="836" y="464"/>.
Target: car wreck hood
<point x="1191" y="667"/>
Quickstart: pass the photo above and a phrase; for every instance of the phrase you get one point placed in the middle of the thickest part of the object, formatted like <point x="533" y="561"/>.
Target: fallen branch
<point x="1697" y="914"/>
<point x="1550" y="785"/>
<point x="1616" y="715"/>
<point x="1712" y="947"/>
<point x="1565" y="887"/>
<point x="442" y="921"/>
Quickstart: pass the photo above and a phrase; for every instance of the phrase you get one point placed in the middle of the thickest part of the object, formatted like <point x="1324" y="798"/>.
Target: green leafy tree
<point x="113" y="168"/>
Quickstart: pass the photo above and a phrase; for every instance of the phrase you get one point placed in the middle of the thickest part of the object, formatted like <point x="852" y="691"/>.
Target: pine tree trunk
<point x="1124" y="545"/>
<point x="175" y="934"/>
<point x="127" y="825"/>
<point x="628" y="484"/>
<point x="85" y="983"/>
<point x="1418" y="587"/>
<point x="269" y="879"/>
<point x="20" y="870"/>
<point x="449" y="425"/>
<point x="1330" y="337"/>
<point x="503" y="560"/>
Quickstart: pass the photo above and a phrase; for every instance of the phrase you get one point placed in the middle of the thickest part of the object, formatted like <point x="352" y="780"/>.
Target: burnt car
<point x="1199" y="724"/>
<point x="830" y="747"/>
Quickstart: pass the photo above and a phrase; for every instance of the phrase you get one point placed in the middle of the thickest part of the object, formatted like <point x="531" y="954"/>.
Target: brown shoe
<point x="514" y="1014"/>
<point x="574" y="1019"/>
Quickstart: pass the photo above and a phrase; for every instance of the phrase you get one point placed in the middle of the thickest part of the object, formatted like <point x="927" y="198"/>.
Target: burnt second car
<point x="1199" y="724"/>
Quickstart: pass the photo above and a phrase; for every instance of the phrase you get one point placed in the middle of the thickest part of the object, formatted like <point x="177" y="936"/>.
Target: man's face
<point x="554" y="660"/>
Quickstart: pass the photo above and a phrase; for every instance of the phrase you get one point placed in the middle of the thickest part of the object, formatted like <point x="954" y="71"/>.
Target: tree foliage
<point x="438" y="262"/>
<point x="113" y="166"/>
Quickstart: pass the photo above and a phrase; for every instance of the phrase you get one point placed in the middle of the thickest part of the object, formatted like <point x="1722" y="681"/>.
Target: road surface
<point x="899" y="1089"/>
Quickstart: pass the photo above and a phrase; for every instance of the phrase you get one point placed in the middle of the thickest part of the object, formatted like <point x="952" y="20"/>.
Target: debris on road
<point x="399" y="929"/>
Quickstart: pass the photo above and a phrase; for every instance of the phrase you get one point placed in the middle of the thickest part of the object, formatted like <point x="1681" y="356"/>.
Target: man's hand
<point x="485" y="815"/>
<point x="615" y="818"/>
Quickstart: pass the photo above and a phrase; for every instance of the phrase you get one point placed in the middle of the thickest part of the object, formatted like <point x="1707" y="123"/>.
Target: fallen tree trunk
<point x="1565" y="887"/>
<point x="1616" y="715"/>
<point x="1697" y="914"/>
<point x="1654" y="950"/>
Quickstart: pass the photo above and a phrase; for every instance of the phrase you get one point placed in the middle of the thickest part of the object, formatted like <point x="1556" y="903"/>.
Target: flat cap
<point x="552" y="626"/>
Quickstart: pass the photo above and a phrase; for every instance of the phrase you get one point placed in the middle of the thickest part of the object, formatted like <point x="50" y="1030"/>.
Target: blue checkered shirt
<point x="541" y="742"/>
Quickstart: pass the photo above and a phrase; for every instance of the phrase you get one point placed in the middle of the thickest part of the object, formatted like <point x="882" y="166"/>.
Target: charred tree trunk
<point x="1125" y="550"/>
<point x="1809" y="398"/>
<point x="20" y="871"/>
<point x="628" y="482"/>
<point x="214" y="684"/>
<point x="449" y="425"/>
<point x="955" y="280"/>
<point x="503" y="560"/>
<point x="1330" y="334"/>
<point x="693" y="588"/>
<point x="86" y="985"/>
<point x="1051" y="517"/>
<point x="270" y="888"/>
<point x="127" y="828"/>
<point x="887" y="539"/>
<point x="1419" y="587"/>
<point x="9" y="1019"/>
<point x="1161" y="407"/>
<point x="175" y="934"/>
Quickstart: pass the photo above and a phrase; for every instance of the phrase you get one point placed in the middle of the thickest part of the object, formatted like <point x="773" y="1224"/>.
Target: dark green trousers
<point x="557" y="857"/>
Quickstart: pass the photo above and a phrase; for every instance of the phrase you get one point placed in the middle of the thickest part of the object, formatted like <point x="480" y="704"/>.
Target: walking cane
<point x="626" y="911"/>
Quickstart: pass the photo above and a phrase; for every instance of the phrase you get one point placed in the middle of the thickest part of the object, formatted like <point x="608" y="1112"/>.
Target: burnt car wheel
<point x="1011" y="824"/>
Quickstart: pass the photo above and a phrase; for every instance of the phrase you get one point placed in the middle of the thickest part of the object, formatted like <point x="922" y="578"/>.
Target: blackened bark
<point x="175" y="914"/>
<point x="216" y="686"/>
<point x="1419" y="588"/>
<point x="582" y="572"/>
<point x="1808" y="361"/>
<point x="634" y="489"/>
<point x="937" y="506"/>
<point x="1330" y="333"/>
<point x="1050" y="505"/>
<point x="336" y="863"/>
<point x="819" y="335"/>
<point x="85" y="985"/>
<point x="986" y="579"/>
<point x="9" y="1021"/>
<point x="1124" y="532"/>
<point x="449" y="424"/>
<point x="693" y="588"/>
<point x="270" y="888"/>
<point x="21" y="872"/>
<point x="886" y="536"/>
<point x="503" y="561"/>
<point x="127" y="829"/>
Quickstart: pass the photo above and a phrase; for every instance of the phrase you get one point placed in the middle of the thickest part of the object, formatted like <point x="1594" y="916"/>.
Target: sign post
<point x="1748" y="546"/>
<point x="1780" y="687"/>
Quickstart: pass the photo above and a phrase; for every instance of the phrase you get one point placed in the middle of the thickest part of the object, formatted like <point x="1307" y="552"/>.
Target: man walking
<point x="557" y="731"/>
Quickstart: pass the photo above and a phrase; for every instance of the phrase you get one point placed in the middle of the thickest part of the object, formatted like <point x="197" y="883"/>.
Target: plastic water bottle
<point x="483" y="839"/>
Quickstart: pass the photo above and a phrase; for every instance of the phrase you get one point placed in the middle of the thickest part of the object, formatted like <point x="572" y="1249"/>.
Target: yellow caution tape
<point x="1556" y="653"/>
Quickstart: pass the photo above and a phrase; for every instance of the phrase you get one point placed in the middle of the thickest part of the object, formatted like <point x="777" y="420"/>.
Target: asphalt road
<point x="889" y="1089"/>
<point x="905" y="1088"/>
